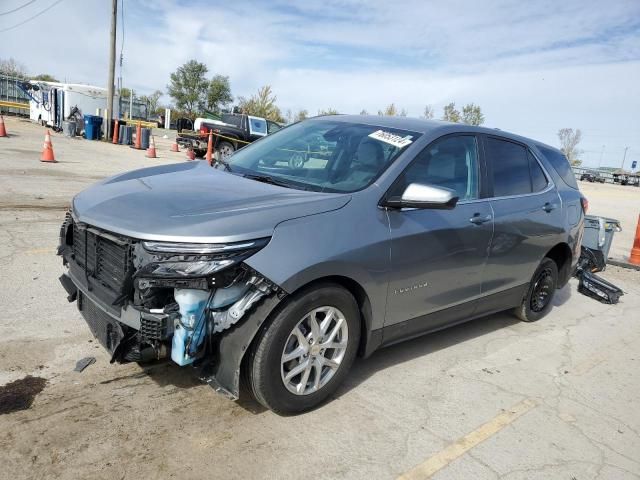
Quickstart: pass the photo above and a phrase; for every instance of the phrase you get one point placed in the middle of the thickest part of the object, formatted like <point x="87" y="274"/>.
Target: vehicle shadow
<point x="422" y="346"/>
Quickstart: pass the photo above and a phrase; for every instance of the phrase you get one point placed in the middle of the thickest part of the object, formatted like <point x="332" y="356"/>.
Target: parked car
<point x="282" y="274"/>
<point x="592" y="177"/>
<point x="626" y="179"/>
<point x="232" y="131"/>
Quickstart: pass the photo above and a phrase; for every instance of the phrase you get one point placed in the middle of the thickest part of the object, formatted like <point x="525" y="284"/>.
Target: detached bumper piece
<point x="593" y="286"/>
<point x="590" y="284"/>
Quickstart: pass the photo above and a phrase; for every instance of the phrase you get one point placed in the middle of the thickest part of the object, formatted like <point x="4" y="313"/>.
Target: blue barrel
<point x="121" y="129"/>
<point x="144" y="141"/>
<point x="89" y="127"/>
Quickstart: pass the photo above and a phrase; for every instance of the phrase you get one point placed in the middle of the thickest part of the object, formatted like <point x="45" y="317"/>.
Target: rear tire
<point x="539" y="297"/>
<point x="330" y="306"/>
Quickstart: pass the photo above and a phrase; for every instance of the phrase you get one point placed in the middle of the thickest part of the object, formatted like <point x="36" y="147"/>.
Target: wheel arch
<point x="562" y="256"/>
<point x="366" y="344"/>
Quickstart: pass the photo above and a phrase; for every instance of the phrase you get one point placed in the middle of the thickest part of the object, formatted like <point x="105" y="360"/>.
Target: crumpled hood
<point x="192" y="202"/>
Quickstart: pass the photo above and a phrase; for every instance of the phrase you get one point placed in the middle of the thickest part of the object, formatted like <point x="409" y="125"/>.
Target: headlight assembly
<point x="192" y="260"/>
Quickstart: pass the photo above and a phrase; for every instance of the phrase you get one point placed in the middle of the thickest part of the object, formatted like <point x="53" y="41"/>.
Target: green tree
<point x="188" y="87"/>
<point x="45" y="77"/>
<point x="451" y="114"/>
<point x="569" y="140"/>
<point x="428" y="112"/>
<point x="125" y="92"/>
<point x="472" y="114"/>
<point x="328" y="111"/>
<point x="12" y="68"/>
<point x="219" y="93"/>
<point x="301" y="115"/>
<point x="262" y="104"/>
<point x="391" y="110"/>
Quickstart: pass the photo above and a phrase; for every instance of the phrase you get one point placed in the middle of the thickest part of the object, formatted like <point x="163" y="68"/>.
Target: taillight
<point x="203" y="129"/>
<point x="585" y="204"/>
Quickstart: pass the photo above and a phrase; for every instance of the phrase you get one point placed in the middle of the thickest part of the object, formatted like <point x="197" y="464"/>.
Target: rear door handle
<point x="549" y="206"/>
<point x="477" y="219"/>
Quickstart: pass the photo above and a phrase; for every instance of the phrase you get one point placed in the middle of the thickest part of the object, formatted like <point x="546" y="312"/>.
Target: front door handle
<point x="549" y="206"/>
<point x="477" y="219"/>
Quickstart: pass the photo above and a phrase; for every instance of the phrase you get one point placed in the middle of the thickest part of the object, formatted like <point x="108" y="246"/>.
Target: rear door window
<point x="510" y="165"/>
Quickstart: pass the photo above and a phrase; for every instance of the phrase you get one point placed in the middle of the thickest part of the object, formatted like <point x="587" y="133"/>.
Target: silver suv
<point x="329" y="239"/>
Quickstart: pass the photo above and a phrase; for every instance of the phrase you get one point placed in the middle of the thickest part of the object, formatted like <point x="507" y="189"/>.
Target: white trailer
<point x="53" y="102"/>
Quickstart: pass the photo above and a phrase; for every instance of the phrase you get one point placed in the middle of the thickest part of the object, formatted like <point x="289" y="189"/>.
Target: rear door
<point x="527" y="214"/>
<point x="438" y="256"/>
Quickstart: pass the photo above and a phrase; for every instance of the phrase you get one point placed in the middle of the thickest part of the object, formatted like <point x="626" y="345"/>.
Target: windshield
<point x="323" y="155"/>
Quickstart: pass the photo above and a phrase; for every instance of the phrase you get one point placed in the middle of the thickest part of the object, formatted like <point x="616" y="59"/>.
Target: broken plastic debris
<point x="84" y="363"/>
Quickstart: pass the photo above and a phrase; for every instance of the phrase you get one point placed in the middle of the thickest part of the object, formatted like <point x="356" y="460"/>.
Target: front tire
<point x="225" y="150"/>
<point x="306" y="351"/>
<point x="539" y="298"/>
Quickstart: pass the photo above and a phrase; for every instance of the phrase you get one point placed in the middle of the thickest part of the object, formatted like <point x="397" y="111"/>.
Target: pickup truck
<point x="231" y="132"/>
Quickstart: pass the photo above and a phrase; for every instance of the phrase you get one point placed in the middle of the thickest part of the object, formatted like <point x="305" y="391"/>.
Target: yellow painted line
<point x="443" y="458"/>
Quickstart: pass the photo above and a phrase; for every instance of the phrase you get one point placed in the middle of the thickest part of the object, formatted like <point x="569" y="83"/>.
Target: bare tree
<point x="364" y="112"/>
<point x="428" y="112"/>
<point x="569" y="140"/>
<point x="12" y="68"/>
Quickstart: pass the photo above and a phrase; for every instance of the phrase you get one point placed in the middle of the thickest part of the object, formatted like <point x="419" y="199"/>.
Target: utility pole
<point x="601" y="154"/>
<point x="624" y="157"/>
<point x="112" y="67"/>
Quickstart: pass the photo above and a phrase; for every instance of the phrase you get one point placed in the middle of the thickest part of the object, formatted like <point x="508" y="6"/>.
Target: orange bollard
<point x="47" y="150"/>
<point x="191" y="155"/>
<point x="174" y="147"/>
<point x="209" y="156"/>
<point x="151" y="151"/>
<point x="3" y="130"/>
<point x="116" y="129"/>
<point x="634" y="257"/>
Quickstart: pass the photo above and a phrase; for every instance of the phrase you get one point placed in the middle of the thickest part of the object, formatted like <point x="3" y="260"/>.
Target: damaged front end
<point x="147" y="300"/>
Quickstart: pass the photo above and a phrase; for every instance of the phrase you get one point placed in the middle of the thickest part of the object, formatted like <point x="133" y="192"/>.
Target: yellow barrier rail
<point x="17" y="105"/>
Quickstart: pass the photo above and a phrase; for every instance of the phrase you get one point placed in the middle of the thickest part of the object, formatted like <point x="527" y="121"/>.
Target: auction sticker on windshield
<point x="391" y="138"/>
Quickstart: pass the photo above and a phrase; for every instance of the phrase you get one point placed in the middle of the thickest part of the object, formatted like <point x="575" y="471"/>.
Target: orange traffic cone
<point x="634" y="257"/>
<point x="151" y="151"/>
<point x="3" y="131"/>
<point x="116" y="129"/>
<point x="47" y="150"/>
<point x="209" y="156"/>
<point x="174" y="147"/>
<point x="191" y="155"/>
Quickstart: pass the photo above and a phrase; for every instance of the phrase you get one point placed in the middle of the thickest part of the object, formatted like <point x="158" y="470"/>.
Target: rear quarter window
<point x="561" y="165"/>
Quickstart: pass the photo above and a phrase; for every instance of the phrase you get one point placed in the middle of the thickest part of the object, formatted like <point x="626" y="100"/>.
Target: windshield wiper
<point x="225" y="164"/>
<point x="270" y="180"/>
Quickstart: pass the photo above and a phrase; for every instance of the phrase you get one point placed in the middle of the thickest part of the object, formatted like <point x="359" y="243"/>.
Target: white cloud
<point x="534" y="67"/>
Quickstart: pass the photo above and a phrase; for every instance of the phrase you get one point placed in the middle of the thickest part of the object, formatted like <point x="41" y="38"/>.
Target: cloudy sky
<point x="534" y="67"/>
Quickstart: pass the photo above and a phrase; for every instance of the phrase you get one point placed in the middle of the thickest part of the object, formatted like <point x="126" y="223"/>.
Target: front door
<point x="438" y="256"/>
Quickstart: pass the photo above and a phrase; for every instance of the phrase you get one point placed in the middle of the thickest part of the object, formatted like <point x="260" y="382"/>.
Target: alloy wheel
<point x="314" y="350"/>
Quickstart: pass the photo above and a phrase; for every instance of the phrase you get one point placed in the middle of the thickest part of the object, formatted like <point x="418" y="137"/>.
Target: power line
<point x="18" y="8"/>
<point x="32" y="17"/>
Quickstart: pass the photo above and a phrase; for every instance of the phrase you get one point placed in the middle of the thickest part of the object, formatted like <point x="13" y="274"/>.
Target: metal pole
<point x="601" y="154"/>
<point x="112" y="67"/>
<point x="131" y="104"/>
<point x="624" y="157"/>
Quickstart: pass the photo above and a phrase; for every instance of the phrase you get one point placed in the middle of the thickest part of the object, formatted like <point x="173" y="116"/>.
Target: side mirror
<point x="417" y="195"/>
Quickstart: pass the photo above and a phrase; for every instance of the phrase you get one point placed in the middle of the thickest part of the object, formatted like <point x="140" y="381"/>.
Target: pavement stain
<point x="19" y="394"/>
